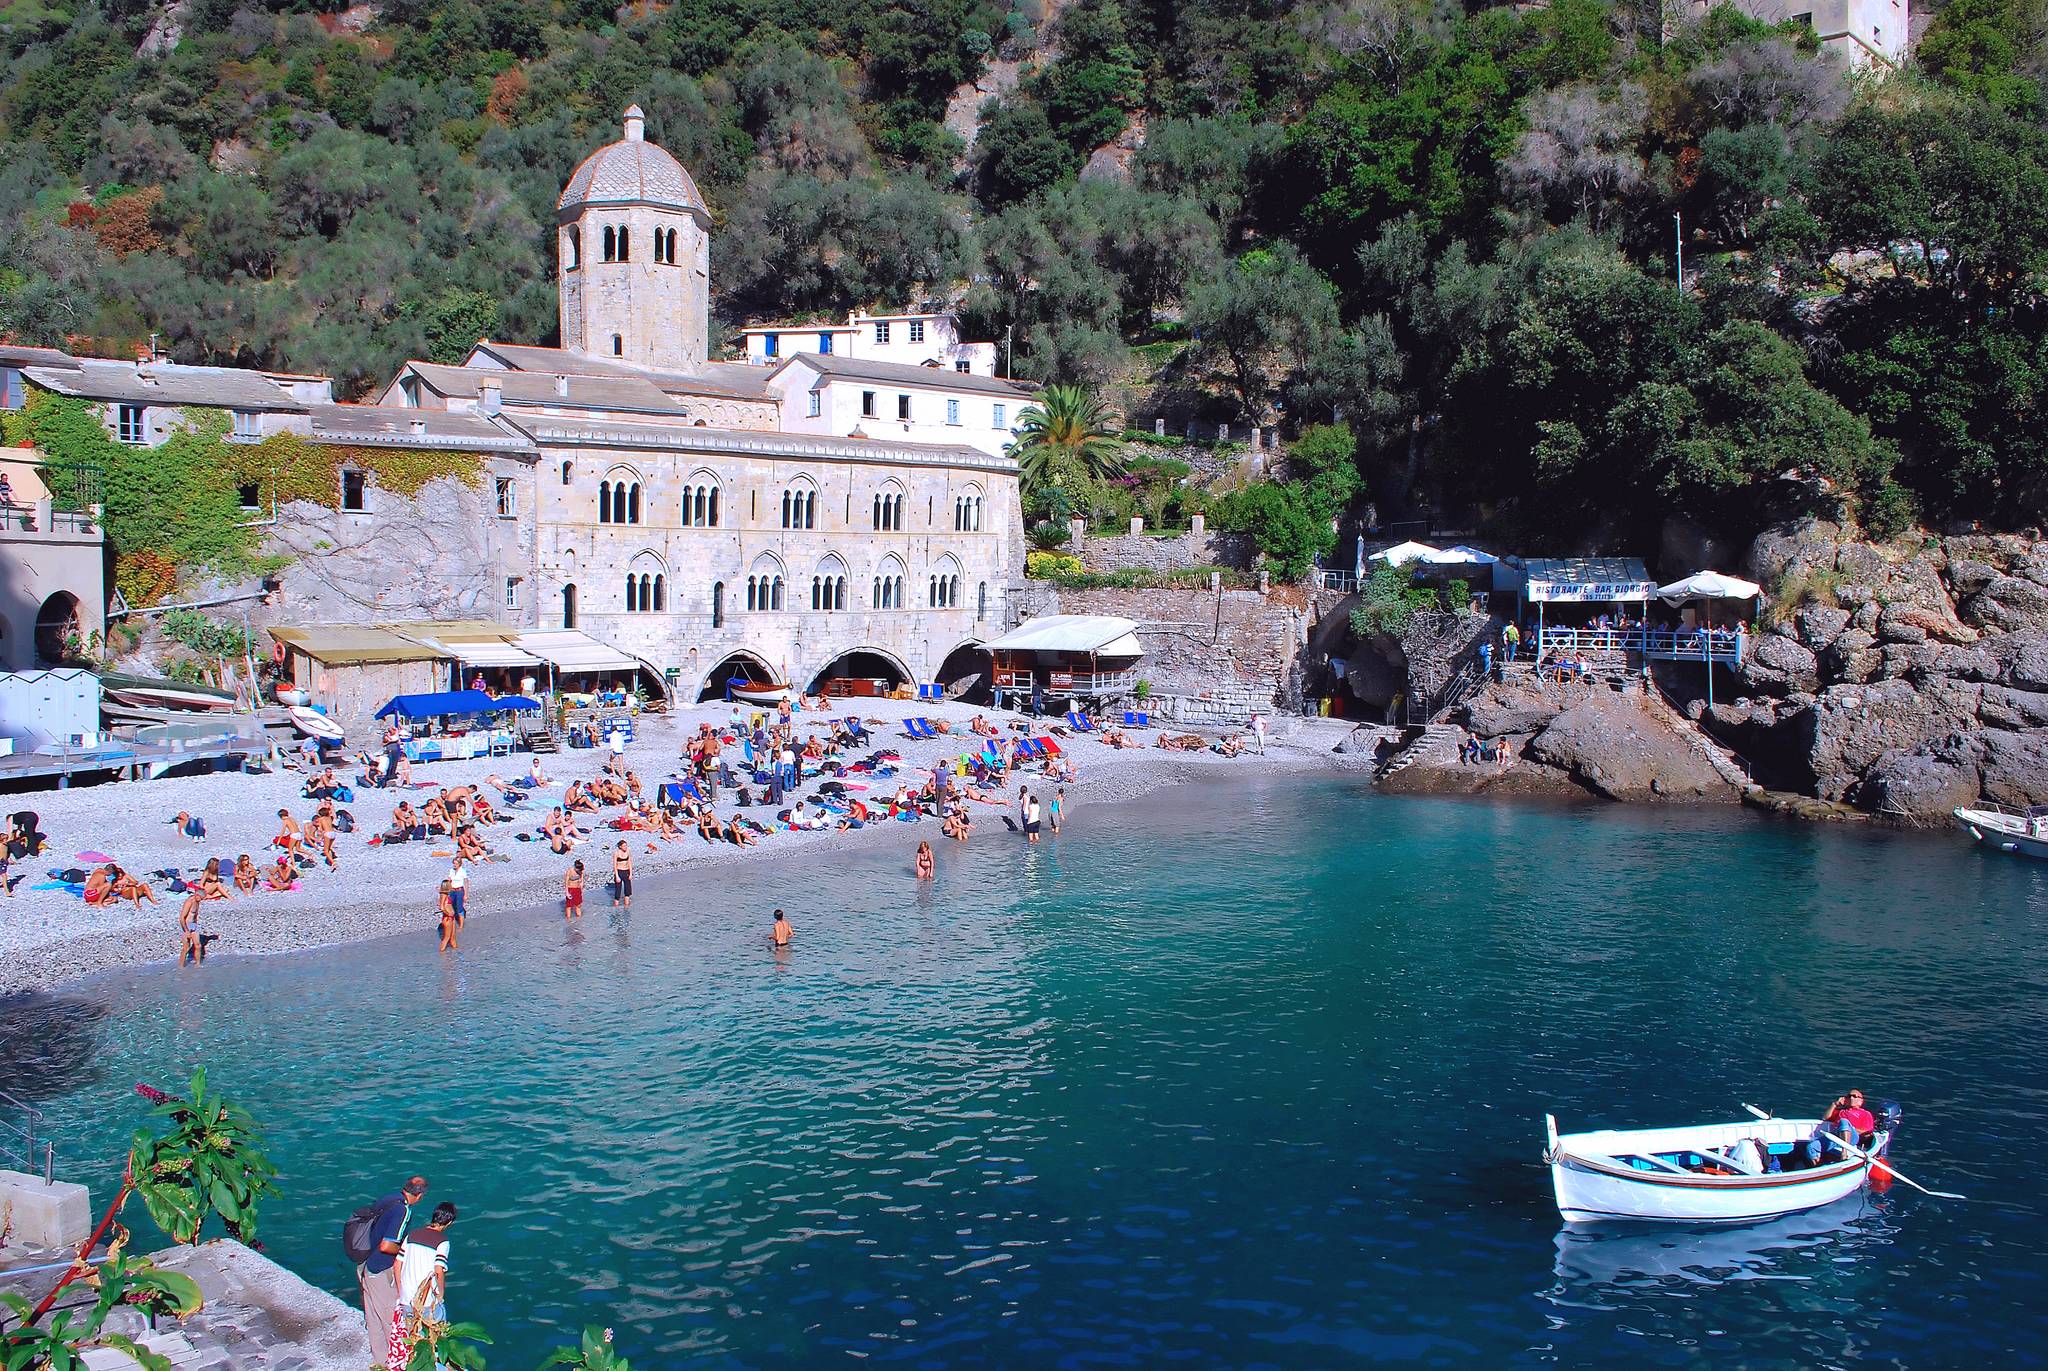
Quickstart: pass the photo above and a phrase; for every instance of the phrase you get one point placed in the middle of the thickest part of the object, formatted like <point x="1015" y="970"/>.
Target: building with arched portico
<point x="811" y="520"/>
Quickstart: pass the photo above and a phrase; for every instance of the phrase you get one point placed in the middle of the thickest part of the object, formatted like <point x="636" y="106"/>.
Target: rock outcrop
<point x="1905" y="680"/>
<point x="1595" y="739"/>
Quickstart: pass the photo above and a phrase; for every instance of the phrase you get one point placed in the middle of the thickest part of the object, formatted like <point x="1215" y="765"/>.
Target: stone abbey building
<point x="821" y="516"/>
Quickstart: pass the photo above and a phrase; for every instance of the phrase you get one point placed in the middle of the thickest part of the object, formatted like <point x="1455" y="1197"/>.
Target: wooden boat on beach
<point x="1704" y="1173"/>
<point x="2021" y="832"/>
<point x="156" y="692"/>
<point x="758" y="692"/>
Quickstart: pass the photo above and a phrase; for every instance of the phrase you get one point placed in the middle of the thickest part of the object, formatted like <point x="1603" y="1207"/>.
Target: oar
<point x="1885" y="1162"/>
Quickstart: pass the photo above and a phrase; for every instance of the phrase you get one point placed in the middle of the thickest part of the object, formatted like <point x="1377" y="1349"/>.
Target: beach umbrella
<point x="1358" y="563"/>
<point x="1708" y="585"/>
<point x="1401" y="554"/>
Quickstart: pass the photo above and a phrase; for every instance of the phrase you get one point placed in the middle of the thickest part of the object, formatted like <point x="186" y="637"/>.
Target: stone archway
<point x="862" y="663"/>
<point x="56" y="621"/>
<point x="744" y="662"/>
<point x="970" y="670"/>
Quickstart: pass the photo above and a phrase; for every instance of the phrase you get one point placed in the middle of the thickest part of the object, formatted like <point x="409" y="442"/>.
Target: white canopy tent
<point x="1401" y="554"/>
<point x="1102" y="634"/>
<point x="1459" y="554"/>
<point x="568" y="650"/>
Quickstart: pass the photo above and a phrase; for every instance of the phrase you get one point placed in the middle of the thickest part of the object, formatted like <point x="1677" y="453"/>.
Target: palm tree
<point x="1065" y="434"/>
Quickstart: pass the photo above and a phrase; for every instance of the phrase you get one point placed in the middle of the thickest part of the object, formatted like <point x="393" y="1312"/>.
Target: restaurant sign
<point x="1595" y="592"/>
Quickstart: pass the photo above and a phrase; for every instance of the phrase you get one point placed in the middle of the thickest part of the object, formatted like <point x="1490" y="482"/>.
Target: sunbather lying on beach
<point x="982" y="726"/>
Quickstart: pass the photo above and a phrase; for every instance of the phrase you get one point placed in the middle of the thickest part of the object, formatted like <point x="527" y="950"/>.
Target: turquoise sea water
<point x="1238" y="1076"/>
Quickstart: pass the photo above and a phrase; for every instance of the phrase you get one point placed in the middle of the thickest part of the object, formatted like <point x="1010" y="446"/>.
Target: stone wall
<point x="1151" y="552"/>
<point x="1208" y="658"/>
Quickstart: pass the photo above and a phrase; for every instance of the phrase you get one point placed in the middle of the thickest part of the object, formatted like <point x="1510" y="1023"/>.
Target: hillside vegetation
<point x="1451" y="229"/>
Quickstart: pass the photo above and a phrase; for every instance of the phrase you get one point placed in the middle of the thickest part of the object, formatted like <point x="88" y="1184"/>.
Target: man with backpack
<point x="372" y="1238"/>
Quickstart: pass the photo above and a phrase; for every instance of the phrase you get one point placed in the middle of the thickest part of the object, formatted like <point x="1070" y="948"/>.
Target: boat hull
<point x="1590" y="1193"/>
<point x="313" y="724"/>
<point x="2002" y="833"/>
<point x="760" y="694"/>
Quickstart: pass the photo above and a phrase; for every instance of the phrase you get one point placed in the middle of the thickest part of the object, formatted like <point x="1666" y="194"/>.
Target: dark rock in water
<point x="2015" y="767"/>
<point x="1924" y="782"/>
<point x="1618" y="748"/>
<point x="1850" y="727"/>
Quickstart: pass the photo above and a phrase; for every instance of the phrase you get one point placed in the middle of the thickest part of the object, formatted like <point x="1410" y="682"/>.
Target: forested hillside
<point x="1452" y="229"/>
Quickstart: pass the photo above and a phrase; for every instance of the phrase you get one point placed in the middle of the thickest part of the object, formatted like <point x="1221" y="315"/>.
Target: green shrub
<point x="1043" y="566"/>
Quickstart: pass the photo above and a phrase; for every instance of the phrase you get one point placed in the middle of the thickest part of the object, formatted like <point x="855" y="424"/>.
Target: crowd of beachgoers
<point x="361" y="843"/>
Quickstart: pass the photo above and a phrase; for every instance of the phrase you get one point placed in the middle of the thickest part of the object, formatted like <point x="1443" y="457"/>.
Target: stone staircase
<point x="1431" y="743"/>
<point x="1725" y="763"/>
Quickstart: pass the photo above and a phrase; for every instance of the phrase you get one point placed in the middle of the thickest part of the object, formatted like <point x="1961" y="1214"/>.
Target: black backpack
<point x="355" y="1233"/>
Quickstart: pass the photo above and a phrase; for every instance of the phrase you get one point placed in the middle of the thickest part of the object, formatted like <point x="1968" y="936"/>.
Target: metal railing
<point x="1659" y="644"/>
<point x="23" y="1141"/>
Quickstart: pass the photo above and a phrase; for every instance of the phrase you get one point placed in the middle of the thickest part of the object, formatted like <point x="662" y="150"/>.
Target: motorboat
<point x="1704" y="1173"/>
<point x="2023" y="832"/>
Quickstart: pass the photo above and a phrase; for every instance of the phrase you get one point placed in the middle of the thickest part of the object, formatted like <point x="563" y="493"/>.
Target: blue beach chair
<point x="1137" y="718"/>
<point x="1079" y="722"/>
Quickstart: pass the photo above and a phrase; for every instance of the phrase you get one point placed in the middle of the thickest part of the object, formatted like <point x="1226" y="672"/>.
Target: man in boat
<point x="1848" y="1121"/>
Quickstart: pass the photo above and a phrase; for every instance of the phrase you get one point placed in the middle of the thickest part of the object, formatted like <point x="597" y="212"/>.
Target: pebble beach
<point x="51" y="937"/>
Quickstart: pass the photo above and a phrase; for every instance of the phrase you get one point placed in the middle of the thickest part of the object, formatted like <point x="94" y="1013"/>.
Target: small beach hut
<point x="347" y="669"/>
<point x="1076" y="656"/>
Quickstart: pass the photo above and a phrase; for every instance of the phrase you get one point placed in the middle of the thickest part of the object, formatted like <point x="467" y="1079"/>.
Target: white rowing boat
<point x="1700" y="1174"/>
<point x="2004" y="830"/>
<point x="313" y="724"/>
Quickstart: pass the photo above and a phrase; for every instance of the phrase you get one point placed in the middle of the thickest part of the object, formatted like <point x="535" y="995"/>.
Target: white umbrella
<point x="1358" y="566"/>
<point x="1708" y="585"/>
<point x="1459" y="554"/>
<point x="1401" y="554"/>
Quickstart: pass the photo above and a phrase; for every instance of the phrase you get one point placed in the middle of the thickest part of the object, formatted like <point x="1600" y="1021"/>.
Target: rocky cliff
<point x="1901" y="679"/>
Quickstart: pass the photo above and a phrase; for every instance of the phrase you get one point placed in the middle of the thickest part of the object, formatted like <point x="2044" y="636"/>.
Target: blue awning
<point x="451" y="702"/>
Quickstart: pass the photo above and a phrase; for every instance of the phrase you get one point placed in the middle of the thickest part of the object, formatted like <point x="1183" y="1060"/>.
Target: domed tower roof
<point x="632" y="171"/>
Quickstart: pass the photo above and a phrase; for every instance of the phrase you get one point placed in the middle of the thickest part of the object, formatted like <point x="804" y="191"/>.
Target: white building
<point x="1865" y="33"/>
<point x="930" y="339"/>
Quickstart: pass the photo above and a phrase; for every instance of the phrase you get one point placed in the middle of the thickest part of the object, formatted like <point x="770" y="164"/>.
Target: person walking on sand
<point x="377" y="1277"/>
<point x="448" y="921"/>
<point x="572" y="891"/>
<point x="927" y="864"/>
<point x="780" y="933"/>
<point x="622" y="876"/>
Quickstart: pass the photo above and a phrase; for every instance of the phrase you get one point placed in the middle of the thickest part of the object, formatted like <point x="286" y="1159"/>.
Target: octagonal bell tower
<point x="633" y="264"/>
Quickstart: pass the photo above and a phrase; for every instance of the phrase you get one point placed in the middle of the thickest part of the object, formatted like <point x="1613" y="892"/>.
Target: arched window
<point x="765" y="584"/>
<point x="981" y="601"/>
<point x="660" y="593"/>
<point x="633" y="503"/>
<point x="618" y="497"/>
<point x="700" y="500"/>
<point x="888" y="511"/>
<point x="604" y="502"/>
<point x="623" y="254"/>
<point x="611" y="244"/>
<point x="672" y="246"/>
<point x="967" y="511"/>
<point x="976" y="524"/>
<point x="575" y="247"/>
<point x="889" y="585"/>
<point x="945" y="588"/>
<point x="618" y="346"/>
<point x="569" y="606"/>
<point x="660" y="245"/>
<point x="828" y="585"/>
<point x="718" y="604"/>
<point x="800" y="505"/>
<point x="567" y="467"/>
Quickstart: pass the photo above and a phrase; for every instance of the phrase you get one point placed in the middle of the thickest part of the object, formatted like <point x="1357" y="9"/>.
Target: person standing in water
<point x="1057" y="810"/>
<point x="622" y="876"/>
<point x="1030" y="818"/>
<point x="572" y="891"/>
<point x="780" y="934"/>
<point x="927" y="864"/>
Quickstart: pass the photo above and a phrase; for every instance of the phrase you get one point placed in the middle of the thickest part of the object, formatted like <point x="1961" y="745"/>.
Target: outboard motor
<point x="1889" y="1116"/>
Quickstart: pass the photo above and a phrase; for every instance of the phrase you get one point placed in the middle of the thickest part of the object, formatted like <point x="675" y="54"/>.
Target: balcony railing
<point x="1725" y="646"/>
<point x="1071" y="682"/>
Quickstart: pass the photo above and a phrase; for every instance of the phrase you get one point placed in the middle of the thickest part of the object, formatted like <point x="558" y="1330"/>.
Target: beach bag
<point x="345" y="794"/>
<point x="344" y="822"/>
<point x="355" y="1234"/>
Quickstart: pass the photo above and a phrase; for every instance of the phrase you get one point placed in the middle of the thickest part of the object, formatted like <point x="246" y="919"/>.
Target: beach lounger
<point x="920" y="728"/>
<point x="1048" y="747"/>
<point x="1079" y="722"/>
<point x="1137" y="718"/>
